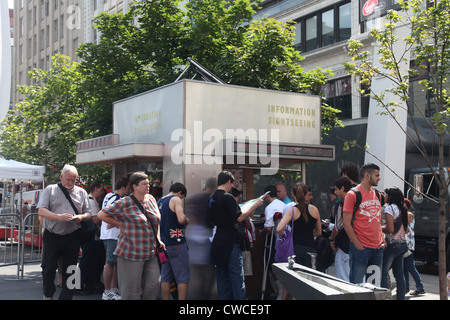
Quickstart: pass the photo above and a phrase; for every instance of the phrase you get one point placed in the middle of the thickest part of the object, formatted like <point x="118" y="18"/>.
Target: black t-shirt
<point x="224" y="212"/>
<point x="224" y="209"/>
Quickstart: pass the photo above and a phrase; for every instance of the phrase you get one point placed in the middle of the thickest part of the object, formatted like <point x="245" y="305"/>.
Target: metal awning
<point x="112" y="154"/>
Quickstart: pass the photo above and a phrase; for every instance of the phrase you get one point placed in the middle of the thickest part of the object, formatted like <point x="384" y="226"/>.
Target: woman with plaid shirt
<point x="137" y="265"/>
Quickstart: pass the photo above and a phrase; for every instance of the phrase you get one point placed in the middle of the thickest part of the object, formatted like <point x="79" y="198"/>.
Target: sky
<point x="11" y="3"/>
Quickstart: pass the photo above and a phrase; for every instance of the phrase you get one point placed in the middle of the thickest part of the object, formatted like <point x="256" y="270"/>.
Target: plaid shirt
<point x="137" y="241"/>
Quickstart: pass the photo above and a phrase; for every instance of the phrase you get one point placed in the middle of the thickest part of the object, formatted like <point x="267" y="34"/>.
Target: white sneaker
<point x="111" y="296"/>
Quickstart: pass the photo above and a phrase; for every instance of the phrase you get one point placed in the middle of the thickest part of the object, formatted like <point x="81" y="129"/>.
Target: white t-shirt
<point x="289" y="206"/>
<point x="399" y="232"/>
<point x="274" y="207"/>
<point x="112" y="233"/>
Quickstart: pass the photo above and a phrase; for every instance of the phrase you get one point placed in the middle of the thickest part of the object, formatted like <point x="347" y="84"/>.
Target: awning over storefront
<point x="110" y="154"/>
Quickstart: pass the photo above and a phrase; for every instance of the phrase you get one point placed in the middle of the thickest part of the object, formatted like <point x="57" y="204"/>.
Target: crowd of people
<point x="123" y="234"/>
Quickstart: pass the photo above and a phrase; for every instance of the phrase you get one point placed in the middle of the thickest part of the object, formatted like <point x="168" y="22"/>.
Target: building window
<point x="327" y="28"/>
<point x="42" y="40"/>
<point x="29" y="48"/>
<point x="338" y="94"/>
<point x="21" y="27"/>
<point x="74" y="49"/>
<point x="297" y="36"/>
<point x="55" y="30"/>
<point x="311" y="33"/>
<point x="62" y="26"/>
<point x="34" y="45"/>
<point x="324" y="27"/>
<point x="29" y="19"/>
<point x="365" y="101"/>
<point x="345" y="22"/>
<point x="21" y="54"/>
<point x="421" y="100"/>
<point x="47" y="36"/>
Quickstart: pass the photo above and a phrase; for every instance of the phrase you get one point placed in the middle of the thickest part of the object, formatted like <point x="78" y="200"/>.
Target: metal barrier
<point x="10" y="224"/>
<point x="26" y="235"/>
<point x="30" y="243"/>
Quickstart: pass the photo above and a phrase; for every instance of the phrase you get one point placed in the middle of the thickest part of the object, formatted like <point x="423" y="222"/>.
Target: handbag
<point x="161" y="253"/>
<point x="285" y="244"/>
<point x="88" y="227"/>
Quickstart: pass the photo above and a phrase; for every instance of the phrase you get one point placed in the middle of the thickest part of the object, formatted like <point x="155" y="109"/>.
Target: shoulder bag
<point x="88" y="227"/>
<point x="161" y="253"/>
<point x="285" y="244"/>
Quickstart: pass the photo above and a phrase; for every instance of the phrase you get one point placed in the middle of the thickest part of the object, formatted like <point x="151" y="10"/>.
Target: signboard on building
<point x="370" y="9"/>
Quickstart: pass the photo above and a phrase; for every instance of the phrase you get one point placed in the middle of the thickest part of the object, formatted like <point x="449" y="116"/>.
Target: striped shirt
<point x="137" y="241"/>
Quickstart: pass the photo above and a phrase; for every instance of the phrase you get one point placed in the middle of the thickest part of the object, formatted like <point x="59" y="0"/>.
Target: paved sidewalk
<point x="30" y="287"/>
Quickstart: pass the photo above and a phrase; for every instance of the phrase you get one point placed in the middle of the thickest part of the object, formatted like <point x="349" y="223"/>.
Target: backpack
<point x="359" y="199"/>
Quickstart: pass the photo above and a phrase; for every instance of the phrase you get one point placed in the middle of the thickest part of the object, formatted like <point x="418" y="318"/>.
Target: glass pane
<point x="298" y="36"/>
<point x="365" y="102"/>
<point x="344" y="103"/>
<point x="328" y="89"/>
<point x="345" y="22"/>
<point x="311" y="33"/>
<point x="417" y="98"/>
<point x="343" y="86"/>
<point x="327" y="28"/>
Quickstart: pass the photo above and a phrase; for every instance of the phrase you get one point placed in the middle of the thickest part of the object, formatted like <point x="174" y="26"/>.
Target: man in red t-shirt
<point x="364" y="228"/>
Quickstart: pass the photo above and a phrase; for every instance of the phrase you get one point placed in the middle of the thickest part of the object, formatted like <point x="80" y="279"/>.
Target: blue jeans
<point x="230" y="278"/>
<point x="361" y="260"/>
<point x="409" y="266"/>
<point x="393" y="258"/>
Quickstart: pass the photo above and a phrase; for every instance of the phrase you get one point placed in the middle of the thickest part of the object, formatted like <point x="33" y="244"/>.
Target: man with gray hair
<point x="63" y="206"/>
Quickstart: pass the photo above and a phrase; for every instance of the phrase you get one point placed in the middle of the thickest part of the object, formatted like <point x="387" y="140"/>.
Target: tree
<point x="429" y="44"/>
<point x="45" y="127"/>
<point x="148" y="47"/>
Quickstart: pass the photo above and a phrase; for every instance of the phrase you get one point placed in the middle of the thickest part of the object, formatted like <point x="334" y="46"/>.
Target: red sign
<point x="370" y="9"/>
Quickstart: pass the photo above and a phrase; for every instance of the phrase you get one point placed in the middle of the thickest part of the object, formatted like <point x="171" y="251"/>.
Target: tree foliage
<point x="148" y="47"/>
<point x="44" y="128"/>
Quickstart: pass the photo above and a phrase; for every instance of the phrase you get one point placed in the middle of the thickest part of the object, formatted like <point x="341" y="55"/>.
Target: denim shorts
<point x="110" y="247"/>
<point x="177" y="267"/>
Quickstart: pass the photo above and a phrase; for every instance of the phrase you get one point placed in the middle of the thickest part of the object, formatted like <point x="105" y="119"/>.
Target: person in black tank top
<point x="307" y="225"/>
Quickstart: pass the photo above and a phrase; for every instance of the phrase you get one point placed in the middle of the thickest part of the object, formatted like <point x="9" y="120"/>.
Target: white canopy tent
<point x="15" y="171"/>
<point x="18" y="171"/>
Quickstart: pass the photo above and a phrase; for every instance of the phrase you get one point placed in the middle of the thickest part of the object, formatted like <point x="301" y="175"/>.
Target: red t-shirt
<point x="367" y="222"/>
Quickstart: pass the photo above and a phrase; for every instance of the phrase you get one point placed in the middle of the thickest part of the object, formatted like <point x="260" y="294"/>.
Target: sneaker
<point x="417" y="292"/>
<point x="111" y="296"/>
<point x="116" y="292"/>
<point x="47" y="298"/>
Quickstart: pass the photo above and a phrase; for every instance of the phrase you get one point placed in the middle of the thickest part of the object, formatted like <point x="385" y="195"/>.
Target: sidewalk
<point x="30" y="287"/>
